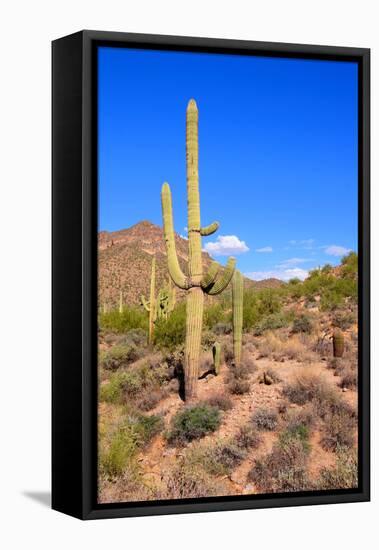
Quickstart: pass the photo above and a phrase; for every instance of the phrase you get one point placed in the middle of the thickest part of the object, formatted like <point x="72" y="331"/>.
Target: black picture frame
<point x="74" y="272"/>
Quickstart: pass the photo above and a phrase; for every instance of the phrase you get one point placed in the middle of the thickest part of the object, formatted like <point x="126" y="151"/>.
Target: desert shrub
<point x="299" y="433"/>
<point x="193" y="423"/>
<point x="299" y="419"/>
<point x="134" y="337"/>
<point x="207" y="339"/>
<point x="118" y="455"/>
<point x="170" y="333"/>
<point x="130" y="318"/>
<point x="128" y="385"/>
<point x="241" y="371"/>
<point x="213" y="315"/>
<point x="238" y="387"/>
<point x="270" y="376"/>
<point x="247" y="437"/>
<point x="302" y="324"/>
<point x="258" y="305"/>
<point x="338" y="429"/>
<point x="271" y="322"/>
<point x="306" y="388"/>
<point x="219" y="400"/>
<point x="150" y="400"/>
<point x="217" y="458"/>
<point x="344" y="475"/>
<point x="227" y="351"/>
<point x="344" y="320"/>
<point x="190" y="481"/>
<point x="282" y="470"/>
<point x="222" y="328"/>
<point x="146" y="427"/>
<point x="237" y="379"/>
<point x="265" y="419"/>
<point x="119" y="356"/>
<point x="349" y="379"/>
<point x="281" y="348"/>
<point x="118" y="448"/>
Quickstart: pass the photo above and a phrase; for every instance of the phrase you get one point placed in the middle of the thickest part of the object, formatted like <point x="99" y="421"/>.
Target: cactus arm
<point x="210" y="277"/>
<point x="145" y="303"/>
<point x="209" y="229"/>
<point x="223" y="281"/>
<point x="174" y="268"/>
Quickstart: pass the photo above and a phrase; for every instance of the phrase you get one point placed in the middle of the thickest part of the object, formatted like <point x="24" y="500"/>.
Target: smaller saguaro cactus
<point x="237" y="299"/>
<point x="216" y="351"/>
<point x="338" y="343"/>
<point x="121" y="303"/>
<point x="166" y="300"/>
<point x="150" y="305"/>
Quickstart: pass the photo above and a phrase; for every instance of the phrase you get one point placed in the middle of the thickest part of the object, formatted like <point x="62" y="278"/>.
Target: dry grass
<point x="281" y="348"/>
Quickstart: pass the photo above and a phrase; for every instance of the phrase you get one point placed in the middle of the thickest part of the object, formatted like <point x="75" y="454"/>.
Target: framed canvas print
<point x="210" y="275"/>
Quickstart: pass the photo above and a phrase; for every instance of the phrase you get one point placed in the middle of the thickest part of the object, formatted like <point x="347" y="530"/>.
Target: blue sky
<point x="277" y="144"/>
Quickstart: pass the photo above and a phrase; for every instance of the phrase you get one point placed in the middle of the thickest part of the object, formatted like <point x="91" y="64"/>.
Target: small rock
<point x="344" y="389"/>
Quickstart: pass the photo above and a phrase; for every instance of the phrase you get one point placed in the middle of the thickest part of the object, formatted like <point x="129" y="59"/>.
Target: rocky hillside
<point x="125" y="263"/>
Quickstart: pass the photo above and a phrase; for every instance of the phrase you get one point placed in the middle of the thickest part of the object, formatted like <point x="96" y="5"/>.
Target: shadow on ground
<point x="42" y="497"/>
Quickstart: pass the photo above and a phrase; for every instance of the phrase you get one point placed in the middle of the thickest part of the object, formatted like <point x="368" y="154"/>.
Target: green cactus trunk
<point x="121" y="304"/>
<point x="216" y="351"/>
<point x="151" y="305"/>
<point x="338" y="343"/>
<point x="237" y="298"/>
<point x="196" y="283"/>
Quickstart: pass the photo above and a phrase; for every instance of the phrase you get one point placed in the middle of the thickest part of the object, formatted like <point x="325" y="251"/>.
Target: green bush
<point x="128" y="385"/>
<point x="130" y="318"/>
<point x="118" y="449"/>
<point x="302" y="324"/>
<point x="193" y="423"/>
<point x="259" y="305"/>
<point x="298" y="433"/>
<point x="170" y="333"/>
<point x="271" y="322"/>
<point x="213" y="314"/>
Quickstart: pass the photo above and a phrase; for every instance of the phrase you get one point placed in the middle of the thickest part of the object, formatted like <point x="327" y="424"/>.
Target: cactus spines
<point x="121" y="303"/>
<point x="196" y="283"/>
<point x="150" y="306"/>
<point x="338" y="343"/>
<point x="216" y="351"/>
<point x="237" y="298"/>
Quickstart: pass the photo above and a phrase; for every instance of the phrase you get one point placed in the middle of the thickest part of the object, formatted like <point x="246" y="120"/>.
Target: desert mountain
<point x="125" y="263"/>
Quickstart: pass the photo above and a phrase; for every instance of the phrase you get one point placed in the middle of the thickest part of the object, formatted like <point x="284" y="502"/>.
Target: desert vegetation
<point x="213" y="386"/>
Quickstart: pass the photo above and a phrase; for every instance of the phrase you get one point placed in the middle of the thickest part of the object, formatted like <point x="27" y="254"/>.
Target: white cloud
<point x="264" y="249"/>
<point x="293" y="262"/>
<point x="282" y="274"/>
<point x="306" y="244"/>
<point x="335" y="250"/>
<point x="183" y="236"/>
<point x="226" y="245"/>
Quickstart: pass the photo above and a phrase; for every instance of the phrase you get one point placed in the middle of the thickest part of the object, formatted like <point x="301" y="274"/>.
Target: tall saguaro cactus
<point x="237" y="298"/>
<point x="150" y="306"/>
<point x="196" y="283"/>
